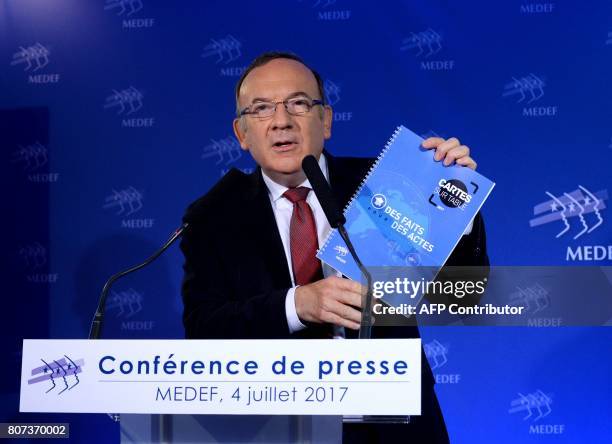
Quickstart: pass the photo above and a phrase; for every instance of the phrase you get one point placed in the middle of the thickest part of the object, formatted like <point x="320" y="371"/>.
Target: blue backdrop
<point x="115" y="114"/>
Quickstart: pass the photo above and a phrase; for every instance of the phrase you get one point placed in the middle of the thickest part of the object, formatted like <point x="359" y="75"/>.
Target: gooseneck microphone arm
<point x="336" y="219"/>
<point x="365" y="332"/>
<point x="95" y="330"/>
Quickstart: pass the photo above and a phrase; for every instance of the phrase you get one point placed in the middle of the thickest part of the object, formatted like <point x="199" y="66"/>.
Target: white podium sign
<point x="271" y="377"/>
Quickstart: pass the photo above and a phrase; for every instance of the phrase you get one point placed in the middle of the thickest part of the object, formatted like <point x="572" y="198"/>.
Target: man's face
<point x="280" y="142"/>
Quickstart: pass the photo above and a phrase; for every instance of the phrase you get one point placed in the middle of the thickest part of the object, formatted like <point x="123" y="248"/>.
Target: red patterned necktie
<point x="303" y="238"/>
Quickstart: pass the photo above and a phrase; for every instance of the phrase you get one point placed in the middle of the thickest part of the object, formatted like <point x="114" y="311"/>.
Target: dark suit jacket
<point x="236" y="274"/>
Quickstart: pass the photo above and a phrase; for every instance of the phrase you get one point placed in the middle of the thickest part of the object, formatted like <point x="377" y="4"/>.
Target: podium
<point x="230" y="429"/>
<point x="225" y="391"/>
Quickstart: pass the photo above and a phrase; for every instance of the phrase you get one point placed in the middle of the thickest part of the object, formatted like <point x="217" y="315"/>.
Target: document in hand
<point x="409" y="210"/>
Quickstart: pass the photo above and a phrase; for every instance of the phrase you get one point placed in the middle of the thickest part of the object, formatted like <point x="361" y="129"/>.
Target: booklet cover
<point x="409" y="210"/>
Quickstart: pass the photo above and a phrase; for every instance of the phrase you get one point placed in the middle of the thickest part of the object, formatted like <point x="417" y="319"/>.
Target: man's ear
<point x="240" y="131"/>
<point x="328" y="117"/>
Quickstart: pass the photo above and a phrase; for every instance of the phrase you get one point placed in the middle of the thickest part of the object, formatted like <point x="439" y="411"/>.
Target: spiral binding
<point x="363" y="182"/>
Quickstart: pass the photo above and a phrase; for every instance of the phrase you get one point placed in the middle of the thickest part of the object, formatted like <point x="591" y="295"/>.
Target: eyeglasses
<point x="295" y="106"/>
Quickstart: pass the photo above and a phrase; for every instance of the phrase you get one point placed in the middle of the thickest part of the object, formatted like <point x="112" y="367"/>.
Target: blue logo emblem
<point x="126" y="101"/>
<point x="61" y="374"/>
<point x="332" y="92"/>
<point x="529" y="87"/>
<point x="426" y="43"/>
<point x="226" y="49"/>
<point x="34" y="57"/>
<point x="379" y="201"/>
<point x="572" y="209"/>
<point x="534" y="405"/>
<point x="435" y="353"/>
<point x="127" y="201"/>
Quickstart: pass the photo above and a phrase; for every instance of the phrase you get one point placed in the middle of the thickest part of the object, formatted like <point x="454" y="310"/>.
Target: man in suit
<point x="250" y="270"/>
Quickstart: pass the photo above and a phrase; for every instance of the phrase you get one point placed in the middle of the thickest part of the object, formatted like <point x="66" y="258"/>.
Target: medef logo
<point x="537" y="8"/>
<point x="32" y="158"/>
<point x="125" y="103"/>
<point x="224" y="51"/>
<point x="125" y="203"/>
<point x="126" y="9"/>
<point x="223" y="151"/>
<point x="534" y="299"/>
<point x="534" y="408"/>
<point x="424" y="45"/>
<point x="452" y="193"/>
<point x="325" y="12"/>
<point x="527" y="90"/>
<point x="35" y="258"/>
<point x="578" y="214"/>
<point x="34" y="58"/>
<point x="127" y="304"/>
<point x="57" y="375"/>
<point x="341" y="251"/>
<point x="332" y="95"/>
<point x="436" y="354"/>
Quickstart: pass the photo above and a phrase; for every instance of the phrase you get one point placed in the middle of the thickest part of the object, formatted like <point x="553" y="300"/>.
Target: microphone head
<point x="321" y="188"/>
<point x="310" y="165"/>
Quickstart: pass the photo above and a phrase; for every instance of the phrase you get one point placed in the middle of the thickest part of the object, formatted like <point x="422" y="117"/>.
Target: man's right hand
<point x="332" y="300"/>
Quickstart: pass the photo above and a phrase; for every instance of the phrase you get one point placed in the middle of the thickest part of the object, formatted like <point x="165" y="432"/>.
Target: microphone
<point x="95" y="330"/>
<point x="336" y="219"/>
<point x="321" y="188"/>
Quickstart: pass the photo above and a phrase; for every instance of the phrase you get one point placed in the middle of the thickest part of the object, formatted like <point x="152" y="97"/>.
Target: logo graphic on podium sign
<point x="58" y="375"/>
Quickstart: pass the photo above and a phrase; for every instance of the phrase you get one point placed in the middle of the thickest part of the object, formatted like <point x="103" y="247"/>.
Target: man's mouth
<point x="283" y="145"/>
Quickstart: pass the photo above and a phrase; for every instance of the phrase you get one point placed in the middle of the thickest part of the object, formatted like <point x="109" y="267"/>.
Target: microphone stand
<point x="365" y="332"/>
<point x="96" y="325"/>
<point x="164" y="424"/>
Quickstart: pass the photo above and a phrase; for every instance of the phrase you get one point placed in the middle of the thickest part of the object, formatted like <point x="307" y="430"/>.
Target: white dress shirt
<point x="283" y="209"/>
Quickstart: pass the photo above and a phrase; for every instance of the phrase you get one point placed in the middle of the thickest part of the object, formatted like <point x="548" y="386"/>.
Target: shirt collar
<point x="277" y="190"/>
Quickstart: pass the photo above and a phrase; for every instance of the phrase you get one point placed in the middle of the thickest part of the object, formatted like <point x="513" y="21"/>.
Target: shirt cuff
<point x="292" y="317"/>
<point x="468" y="229"/>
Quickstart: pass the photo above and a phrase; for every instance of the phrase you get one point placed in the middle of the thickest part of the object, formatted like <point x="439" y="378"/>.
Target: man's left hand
<point x="449" y="151"/>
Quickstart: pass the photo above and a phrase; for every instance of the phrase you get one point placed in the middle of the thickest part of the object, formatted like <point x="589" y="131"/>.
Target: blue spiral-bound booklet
<point x="409" y="210"/>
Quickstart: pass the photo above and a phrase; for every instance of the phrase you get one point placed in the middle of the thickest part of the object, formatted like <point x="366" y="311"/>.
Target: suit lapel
<point x="265" y="231"/>
<point x="344" y="178"/>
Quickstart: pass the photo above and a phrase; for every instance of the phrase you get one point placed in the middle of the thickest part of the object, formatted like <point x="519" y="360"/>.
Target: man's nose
<point x="281" y="118"/>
